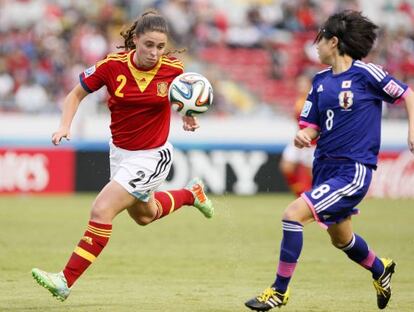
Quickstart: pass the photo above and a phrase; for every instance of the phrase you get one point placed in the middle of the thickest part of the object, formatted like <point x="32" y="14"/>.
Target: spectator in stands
<point x="6" y="89"/>
<point x="180" y="19"/>
<point x="31" y="97"/>
<point x="306" y="15"/>
<point x="289" y="20"/>
<point x="41" y="41"/>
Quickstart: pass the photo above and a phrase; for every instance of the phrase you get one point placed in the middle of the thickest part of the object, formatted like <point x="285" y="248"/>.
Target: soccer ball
<point x="190" y="94"/>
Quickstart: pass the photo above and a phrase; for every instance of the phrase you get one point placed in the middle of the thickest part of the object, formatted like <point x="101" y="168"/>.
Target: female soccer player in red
<point x="343" y="110"/>
<point x="137" y="81"/>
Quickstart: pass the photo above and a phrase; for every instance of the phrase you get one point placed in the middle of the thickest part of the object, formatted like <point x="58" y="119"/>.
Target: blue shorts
<point x="338" y="186"/>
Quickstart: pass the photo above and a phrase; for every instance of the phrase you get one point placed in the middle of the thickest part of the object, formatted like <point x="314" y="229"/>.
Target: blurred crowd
<point x="45" y="44"/>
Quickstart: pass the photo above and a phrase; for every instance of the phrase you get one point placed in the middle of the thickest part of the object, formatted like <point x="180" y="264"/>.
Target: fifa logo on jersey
<point x="346" y="99"/>
<point x="306" y="109"/>
<point x="162" y="89"/>
<point x="89" y="71"/>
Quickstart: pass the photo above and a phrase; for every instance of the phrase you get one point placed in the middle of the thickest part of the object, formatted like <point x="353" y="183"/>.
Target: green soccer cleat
<point x="54" y="282"/>
<point x="270" y="298"/>
<point x="201" y="201"/>
<point x="383" y="283"/>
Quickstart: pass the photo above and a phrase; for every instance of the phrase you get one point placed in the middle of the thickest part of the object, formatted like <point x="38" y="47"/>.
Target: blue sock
<point x="357" y="250"/>
<point x="290" y="249"/>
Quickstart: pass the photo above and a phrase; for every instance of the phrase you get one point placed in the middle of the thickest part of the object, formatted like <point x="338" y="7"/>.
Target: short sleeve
<point x="309" y="116"/>
<point x="385" y="86"/>
<point x="93" y="78"/>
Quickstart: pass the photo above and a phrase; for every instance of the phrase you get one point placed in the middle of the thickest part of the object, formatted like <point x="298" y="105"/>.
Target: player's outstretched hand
<point x="302" y="139"/>
<point x="190" y="123"/>
<point x="58" y="135"/>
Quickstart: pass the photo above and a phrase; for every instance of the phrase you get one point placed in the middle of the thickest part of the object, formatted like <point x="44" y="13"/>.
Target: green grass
<point x="187" y="263"/>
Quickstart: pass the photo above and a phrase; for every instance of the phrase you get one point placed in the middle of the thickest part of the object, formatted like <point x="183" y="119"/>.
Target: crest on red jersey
<point x="162" y="89"/>
<point x="346" y="99"/>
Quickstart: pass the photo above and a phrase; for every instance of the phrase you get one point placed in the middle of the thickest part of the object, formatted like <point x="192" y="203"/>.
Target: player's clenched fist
<point x="302" y="139"/>
<point x="58" y="135"/>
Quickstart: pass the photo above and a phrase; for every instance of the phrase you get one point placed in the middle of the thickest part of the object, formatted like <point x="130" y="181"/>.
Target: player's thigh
<point x="111" y="200"/>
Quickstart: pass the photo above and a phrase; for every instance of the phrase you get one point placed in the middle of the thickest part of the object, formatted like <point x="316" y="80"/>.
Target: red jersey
<point x="138" y="99"/>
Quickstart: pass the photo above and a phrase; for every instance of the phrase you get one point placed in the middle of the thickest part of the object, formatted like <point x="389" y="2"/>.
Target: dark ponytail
<point x="150" y="20"/>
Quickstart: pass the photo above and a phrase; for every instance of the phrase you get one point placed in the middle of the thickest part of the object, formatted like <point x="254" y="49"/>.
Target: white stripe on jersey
<point x="373" y="69"/>
<point x="347" y="190"/>
<point x="373" y="74"/>
<point x="377" y="69"/>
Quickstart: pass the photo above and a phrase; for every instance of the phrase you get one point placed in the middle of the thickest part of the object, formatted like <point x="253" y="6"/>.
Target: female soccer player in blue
<point x="343" y="109"/>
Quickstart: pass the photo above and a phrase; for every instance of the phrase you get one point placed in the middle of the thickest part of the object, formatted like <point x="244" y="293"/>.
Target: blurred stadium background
<point x="253" y="53"/>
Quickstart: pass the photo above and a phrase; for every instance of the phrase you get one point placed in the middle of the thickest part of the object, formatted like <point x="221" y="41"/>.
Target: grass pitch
<point x="185" y="262"/>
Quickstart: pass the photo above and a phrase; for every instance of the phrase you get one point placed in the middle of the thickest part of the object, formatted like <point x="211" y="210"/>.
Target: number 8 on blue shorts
<point x="339" y="186"/>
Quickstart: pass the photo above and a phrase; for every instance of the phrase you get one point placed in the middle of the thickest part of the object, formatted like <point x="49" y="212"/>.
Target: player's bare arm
<point x="409" y="103"/>
<point x="70" y="106"/>
<point x="304" y="137"/>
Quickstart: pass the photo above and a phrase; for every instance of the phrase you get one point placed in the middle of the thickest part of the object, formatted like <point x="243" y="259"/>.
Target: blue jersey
<point x="346" y="108"/>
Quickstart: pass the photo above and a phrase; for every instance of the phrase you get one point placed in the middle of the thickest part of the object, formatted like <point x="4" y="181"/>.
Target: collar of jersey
<point x="344" y="72"/>
<point x="142" y="77"/>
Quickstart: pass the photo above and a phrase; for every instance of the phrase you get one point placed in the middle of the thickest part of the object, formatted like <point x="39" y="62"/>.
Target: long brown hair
<point x="150" y="20"/>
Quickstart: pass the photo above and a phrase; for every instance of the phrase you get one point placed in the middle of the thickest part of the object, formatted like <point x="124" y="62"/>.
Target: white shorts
<point x="140" y="172"/>
<point x="302" y="156"/>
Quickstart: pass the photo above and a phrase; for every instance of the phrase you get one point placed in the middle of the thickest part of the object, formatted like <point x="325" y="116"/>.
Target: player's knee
<point x="298" y="211"/>
<point x="100" y="213"/>
<point x="287" y="215"/>
<point x="338" y="242"/>
<point x="290" y="214"/>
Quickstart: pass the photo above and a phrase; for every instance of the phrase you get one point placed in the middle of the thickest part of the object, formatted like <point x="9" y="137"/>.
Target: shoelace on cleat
<point x="267" y="294"/>
<point x="382" y="285"/>
<point x="198" y="191"/>
<point x="381" y="290"/>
